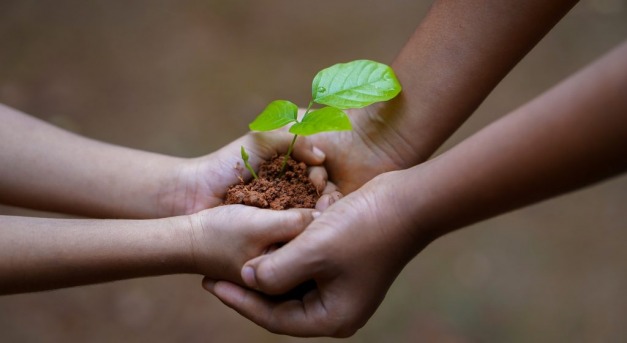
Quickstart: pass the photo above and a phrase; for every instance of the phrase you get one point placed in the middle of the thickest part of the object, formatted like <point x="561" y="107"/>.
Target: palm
<point x="202" y="182"/>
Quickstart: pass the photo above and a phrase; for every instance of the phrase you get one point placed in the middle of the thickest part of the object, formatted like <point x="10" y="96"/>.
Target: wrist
<point x="179" y="244"/>
<point x="408" y="211"/>
<point x="174" y="194"/>
<point x="434" y="201"/>
<point x="392" y="129"/>
<point x="390" y="210"/>
<point x="402" y="135"/>
<point x="157" y="246"/>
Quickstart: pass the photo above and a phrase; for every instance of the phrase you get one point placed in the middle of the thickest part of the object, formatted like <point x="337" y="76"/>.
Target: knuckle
<point x="304" y="143"/>
<point x="299" y="218"/>
<point x="266" y="274"/>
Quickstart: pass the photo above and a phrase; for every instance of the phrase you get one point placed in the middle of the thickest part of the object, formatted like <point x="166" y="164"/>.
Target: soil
<point x="272" y="190"/>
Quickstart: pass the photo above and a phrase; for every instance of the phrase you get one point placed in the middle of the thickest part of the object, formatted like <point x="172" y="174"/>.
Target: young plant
<point x="246" y="164"/>
<point x="342" y="86"/>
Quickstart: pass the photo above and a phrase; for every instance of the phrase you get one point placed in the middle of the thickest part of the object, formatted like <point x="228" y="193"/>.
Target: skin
<point x="440" y="60"/>
<point x="55" y="170"/>
<point x="570" y="137"/>
<point x="97" y="179"/>
<point x="446" y="71"/>
<point x="39" y="254"/>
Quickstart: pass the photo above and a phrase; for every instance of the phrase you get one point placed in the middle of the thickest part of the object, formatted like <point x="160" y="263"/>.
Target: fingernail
<point x="315" y="214"/>
<point x="336" y="196"/>
<point x="318" y="153"/>
<point x="248" y="275"/>
<point x="208" y="284"/>
<point x="323" y="203"/>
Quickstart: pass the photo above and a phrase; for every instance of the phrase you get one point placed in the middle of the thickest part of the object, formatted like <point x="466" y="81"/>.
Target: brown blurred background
<point x="185" y="78"/>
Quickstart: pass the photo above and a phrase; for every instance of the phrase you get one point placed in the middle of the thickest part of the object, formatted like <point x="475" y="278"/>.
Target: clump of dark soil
<point x="275" y="191"/>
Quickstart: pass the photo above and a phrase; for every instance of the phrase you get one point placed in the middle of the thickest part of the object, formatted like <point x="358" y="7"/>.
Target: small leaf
<point x="244" y="154"/>
<point x="355" y="84"/>
<point x="278" y="114"/>
<point x="322" y="120"/>
<point x="246" y="164"/>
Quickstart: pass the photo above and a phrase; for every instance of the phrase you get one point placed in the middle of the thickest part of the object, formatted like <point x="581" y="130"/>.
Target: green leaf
<point x="244" y="154"/>
<point x="246" y="164"/>
<point x="355" y="84"/>
<point x="278" y="114"/>
<point x="322" y="120"/>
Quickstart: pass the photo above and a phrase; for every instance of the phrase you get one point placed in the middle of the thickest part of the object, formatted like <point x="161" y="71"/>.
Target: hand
<point x="371" y="148"/>
<point x="223" y="238"/>
<point x="353" y="252"/>
<point x="201" y="183"/>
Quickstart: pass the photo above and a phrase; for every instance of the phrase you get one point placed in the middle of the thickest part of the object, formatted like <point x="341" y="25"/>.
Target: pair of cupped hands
<point x="349" y="246"/>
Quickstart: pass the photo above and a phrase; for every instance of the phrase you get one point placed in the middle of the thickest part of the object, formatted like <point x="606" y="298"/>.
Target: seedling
<point x="342" y="86"/>
<point x="247" y="165"/>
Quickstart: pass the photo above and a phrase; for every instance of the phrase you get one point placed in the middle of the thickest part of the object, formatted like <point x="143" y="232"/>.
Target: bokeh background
<point x="185" y="78"/>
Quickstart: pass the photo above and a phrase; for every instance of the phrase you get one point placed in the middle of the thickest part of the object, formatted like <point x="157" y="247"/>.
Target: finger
<point x="329" y="188"/>
<point x="327" y="200"/>
<point x="292" y="317"/>
<point x="318" y="176"/>
<point x="208" y="284"/>
<point x="290" y="266"/>
<point x="272" y="248"/>
<point x="283" y="226"/>
<point x="304" y="151"/>
<point x="262" y="146"/>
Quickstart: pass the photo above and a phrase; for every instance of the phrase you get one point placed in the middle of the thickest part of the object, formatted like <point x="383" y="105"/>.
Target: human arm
<point x="41" y="254"/>
<point x="45" y="167"/>
<point x="460" y="51"/>
<point x="568" y="138"/>
<point x="441" y="61"/>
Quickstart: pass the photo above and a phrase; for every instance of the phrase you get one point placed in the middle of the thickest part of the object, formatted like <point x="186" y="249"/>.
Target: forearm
<point x="458" y="54"/>
<point x="40" y="254"/>
<point x="47" y="168"/>
<point x="570" y="137"/>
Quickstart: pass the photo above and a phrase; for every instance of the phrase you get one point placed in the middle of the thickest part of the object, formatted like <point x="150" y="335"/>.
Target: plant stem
<point x="251" y="170"/>
<point x="246" y="164"/>
<point x="289" y="150"/>
<point x="287" y="156"/>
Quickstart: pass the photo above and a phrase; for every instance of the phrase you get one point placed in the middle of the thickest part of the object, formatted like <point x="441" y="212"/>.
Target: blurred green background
<point x="185" y="78"/>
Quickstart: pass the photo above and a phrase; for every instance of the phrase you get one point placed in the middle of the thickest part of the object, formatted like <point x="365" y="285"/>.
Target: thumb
<point x="280" y="271"/>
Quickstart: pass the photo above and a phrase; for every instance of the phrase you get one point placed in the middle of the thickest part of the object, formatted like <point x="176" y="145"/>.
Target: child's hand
<point x="201" y="183"/>
<point x="222" y="239"/>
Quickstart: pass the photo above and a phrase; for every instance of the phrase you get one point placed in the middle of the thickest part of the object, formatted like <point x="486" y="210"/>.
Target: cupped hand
<point x="201" y="183"/>
<point x="353" y="252"/>
<point x="371" y="148"/>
